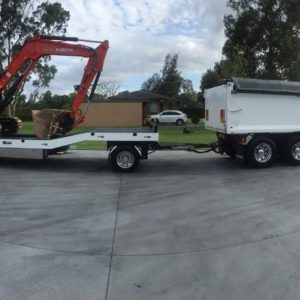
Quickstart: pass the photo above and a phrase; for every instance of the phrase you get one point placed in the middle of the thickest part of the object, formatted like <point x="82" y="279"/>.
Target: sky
<point x="141" y="34"/>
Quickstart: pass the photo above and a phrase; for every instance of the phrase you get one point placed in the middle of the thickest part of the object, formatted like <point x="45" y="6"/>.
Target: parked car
<point x="168" y="117"/>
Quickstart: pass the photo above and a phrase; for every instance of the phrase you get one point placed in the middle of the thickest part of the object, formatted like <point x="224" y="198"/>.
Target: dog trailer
<point x="256" y="120"/>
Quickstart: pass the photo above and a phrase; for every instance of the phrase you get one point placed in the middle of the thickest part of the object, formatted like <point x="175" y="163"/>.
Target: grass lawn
<point x="197" y="135"/>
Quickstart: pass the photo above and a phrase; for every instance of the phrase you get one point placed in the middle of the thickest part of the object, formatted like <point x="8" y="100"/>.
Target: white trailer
<point x="126" y="146"/>
<point x="256" y="120"/>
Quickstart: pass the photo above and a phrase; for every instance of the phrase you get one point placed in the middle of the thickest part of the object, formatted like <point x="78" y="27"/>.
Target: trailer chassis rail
<point x="196" y="148"/>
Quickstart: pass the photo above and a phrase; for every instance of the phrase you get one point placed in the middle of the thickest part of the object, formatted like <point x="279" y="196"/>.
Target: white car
<point x="169" y="117"/>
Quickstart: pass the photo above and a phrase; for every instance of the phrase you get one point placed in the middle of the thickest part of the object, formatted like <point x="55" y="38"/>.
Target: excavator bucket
<point x="49" y="123"/>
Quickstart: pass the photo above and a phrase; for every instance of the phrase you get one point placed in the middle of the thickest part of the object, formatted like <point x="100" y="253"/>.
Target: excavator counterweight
<point x="49" y="122"/>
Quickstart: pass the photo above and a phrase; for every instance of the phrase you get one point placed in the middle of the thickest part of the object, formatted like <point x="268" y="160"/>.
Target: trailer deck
<point x="126" y="146"/>
<point x="141" y="134"/>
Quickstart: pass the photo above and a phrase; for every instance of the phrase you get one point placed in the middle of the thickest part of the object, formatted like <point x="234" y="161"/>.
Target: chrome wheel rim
<point x="125" y="159"/>
<point x="296" y="151"/>
<point x="263" y="152"/>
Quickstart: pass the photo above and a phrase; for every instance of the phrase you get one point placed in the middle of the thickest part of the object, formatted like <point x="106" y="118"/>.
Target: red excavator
<point x="49" y="122"/>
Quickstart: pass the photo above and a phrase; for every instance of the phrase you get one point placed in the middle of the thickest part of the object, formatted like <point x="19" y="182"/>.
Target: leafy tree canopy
<point x="263" y="41"/>
<point x="188" y="97"/>
<point x="168" y="83"/>
<point x="153" y="83"/>
<point x="266" y="34"/>
<point x="55" y="101"/>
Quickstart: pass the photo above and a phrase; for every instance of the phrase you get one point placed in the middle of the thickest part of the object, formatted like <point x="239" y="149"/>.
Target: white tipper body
<point x="231" y="112"/>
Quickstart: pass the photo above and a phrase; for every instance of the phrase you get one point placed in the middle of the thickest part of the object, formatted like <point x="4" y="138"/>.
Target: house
<point x="126" y="109"/>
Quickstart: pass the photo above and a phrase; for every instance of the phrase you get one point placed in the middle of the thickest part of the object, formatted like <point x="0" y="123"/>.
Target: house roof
<point x="281" y="87"/>
<point x="141" y="96"/>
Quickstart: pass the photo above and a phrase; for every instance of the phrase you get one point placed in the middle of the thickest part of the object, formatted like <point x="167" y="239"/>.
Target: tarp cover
<point x="259" y="86"/>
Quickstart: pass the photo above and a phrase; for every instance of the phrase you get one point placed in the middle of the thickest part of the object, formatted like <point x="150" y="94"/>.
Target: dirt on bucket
<point x="49" y="123"/>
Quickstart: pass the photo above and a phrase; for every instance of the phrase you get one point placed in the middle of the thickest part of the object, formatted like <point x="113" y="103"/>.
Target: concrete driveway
<point x="183" y="226"/>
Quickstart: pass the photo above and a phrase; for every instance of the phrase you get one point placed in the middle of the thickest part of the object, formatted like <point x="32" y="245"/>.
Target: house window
<point x="153" y="107"/>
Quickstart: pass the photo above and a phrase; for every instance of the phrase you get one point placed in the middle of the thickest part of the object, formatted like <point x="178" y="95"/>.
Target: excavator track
<point x="9" y="125"/>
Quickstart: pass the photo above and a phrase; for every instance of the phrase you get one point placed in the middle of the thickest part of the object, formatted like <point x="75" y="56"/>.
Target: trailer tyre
<point x="261" y="152"/>
<point x="291" y="152"/>
<point x="124" y="159"/>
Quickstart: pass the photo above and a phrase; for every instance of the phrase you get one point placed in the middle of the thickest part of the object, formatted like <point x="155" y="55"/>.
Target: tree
<point x="225" y="69"/>
<point x="108" y="88"/>
<point x="187" y="86"/>
<point x="170" y="80"/>
<point x="188" y="97"/>
<point x="263" y="41"/>
<point x="170" y="83"/>
<point x="209" y="79"/>
<point x="55" y="101"/>
<point x="266" y="34"/>
<point x="153" y="83"/>
<point x="21" y="18"/>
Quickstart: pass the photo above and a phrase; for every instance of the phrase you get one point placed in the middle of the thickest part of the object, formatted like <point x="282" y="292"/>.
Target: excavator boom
<point x="27" y="56"/>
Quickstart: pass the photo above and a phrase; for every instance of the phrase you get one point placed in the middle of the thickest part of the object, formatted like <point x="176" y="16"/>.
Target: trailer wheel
<point x="291" y="152"/>
<point x="124" y="159"/>
<point x="261" y="152"/>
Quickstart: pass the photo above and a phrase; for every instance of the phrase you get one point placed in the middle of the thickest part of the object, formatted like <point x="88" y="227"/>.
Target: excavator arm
<point x="29" y="54"/>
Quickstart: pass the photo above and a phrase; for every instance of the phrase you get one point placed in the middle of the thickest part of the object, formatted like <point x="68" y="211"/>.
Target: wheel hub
<point x="296" y="151"/>
<point x="263" y="152"/>
<point x="125" y="159"/>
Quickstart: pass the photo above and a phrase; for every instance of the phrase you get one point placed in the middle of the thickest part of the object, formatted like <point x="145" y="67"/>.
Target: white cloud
<point x="141" y="34"/>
